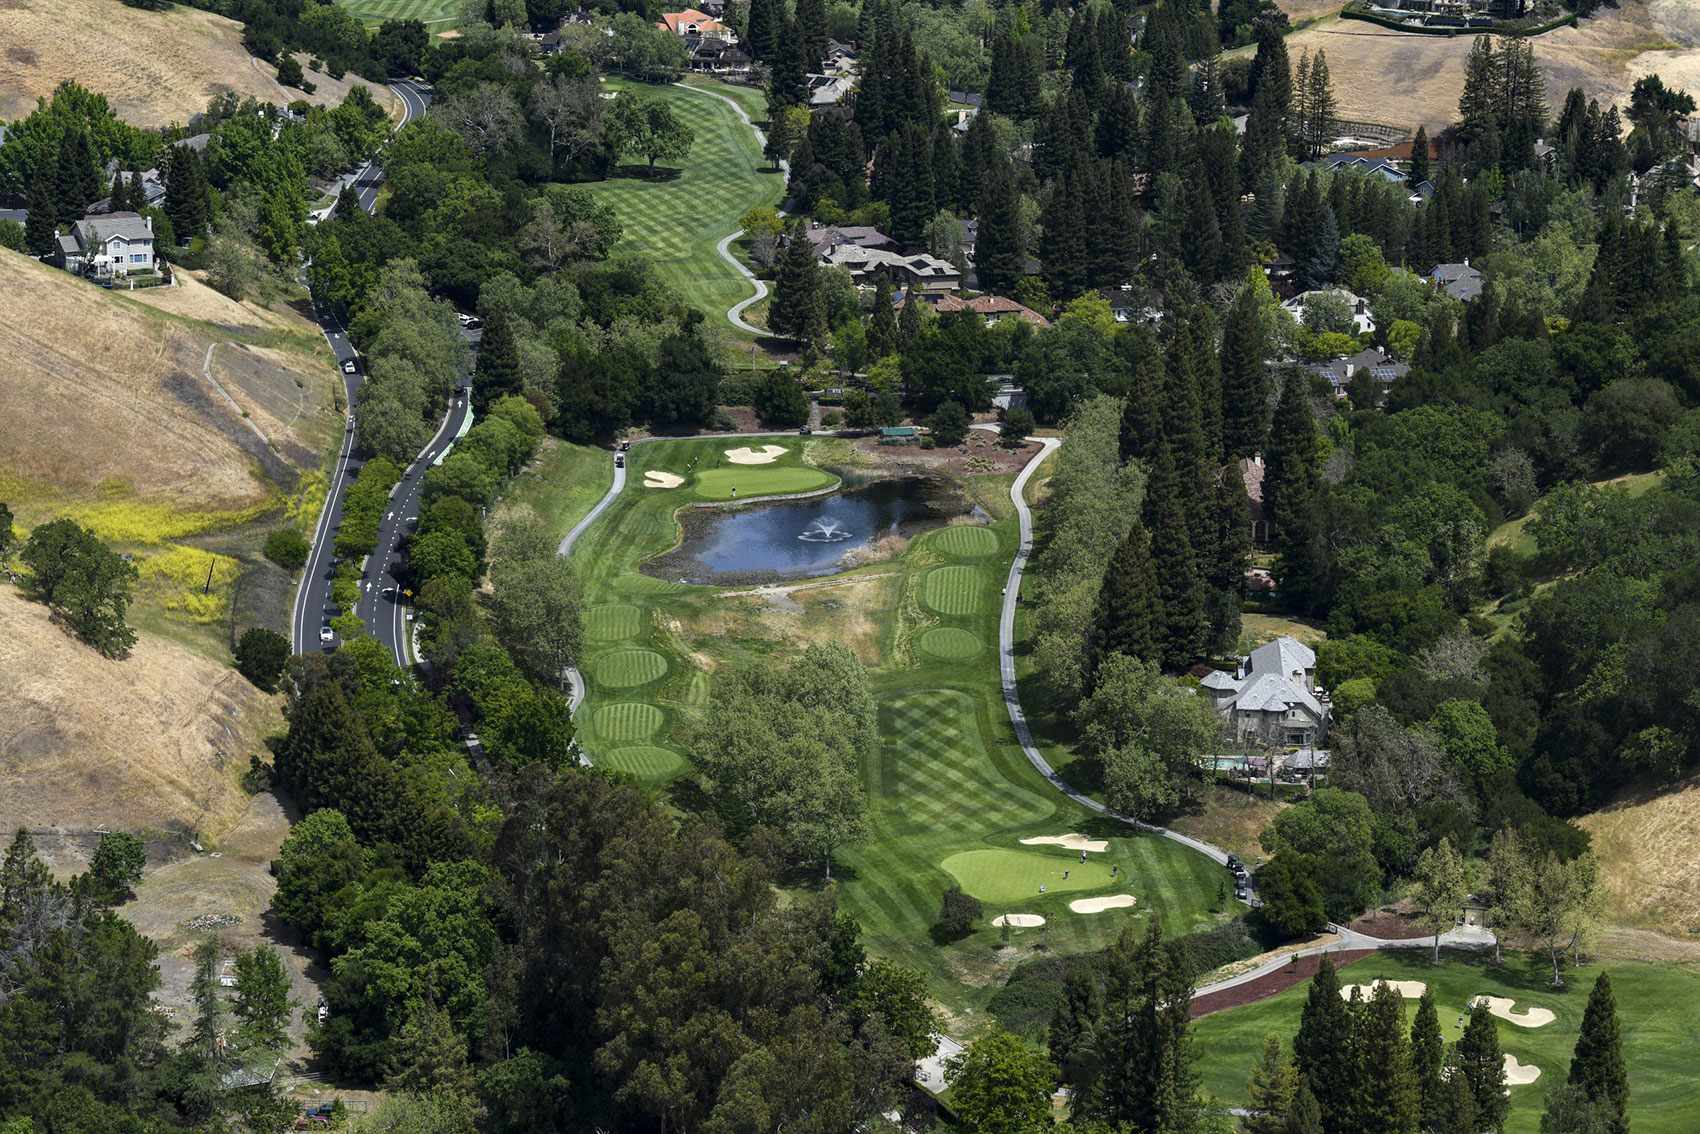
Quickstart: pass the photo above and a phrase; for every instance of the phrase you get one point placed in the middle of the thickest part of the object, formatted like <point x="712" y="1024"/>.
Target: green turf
<point x="1658" y="1008"/>
<point x="627" y="720"/>
<point x="1015" y="875"/>
<point x="757" y="480"/>
<point x="947" y="781"/>
<point x="436" y="15"/>
<point x="954" y="590"/>
<point x="623" y="669"/>
<point x="613" y="621"/>
<point x="676" y="222"/>
<point x="965" y="541"/>
<point x="644" y="762"/>
<point x="564" y="484"/>
<point x="947" y="643"/>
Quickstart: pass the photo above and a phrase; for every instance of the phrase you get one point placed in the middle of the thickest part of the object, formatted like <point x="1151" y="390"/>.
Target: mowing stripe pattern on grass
<point x="966" y="541"/>
<point x="428" y="12"/>
<point x="644" y="762"/>
<point x="628" y="720"/>
<point x="947" y="643"/>
<point x="612" y="622"/>
<point x="954" y="590"/>
<point x="627" y="669"/>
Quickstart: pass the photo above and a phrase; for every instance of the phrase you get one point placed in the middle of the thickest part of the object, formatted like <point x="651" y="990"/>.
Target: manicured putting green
<point x="627" y="720"/>
<point x="623" y="669"/>
<point x="612" y="622"/>
<point x="758" y="480"/>
<point x="643" y="761"/>
<point x="954" y="590"/>
<point x="947" y="643"/>
<point x="1013" y="876"/>
<point x="966" y="541"/>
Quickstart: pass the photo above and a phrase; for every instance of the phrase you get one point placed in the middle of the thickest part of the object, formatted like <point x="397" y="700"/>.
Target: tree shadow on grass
<point x="660" y="175"/>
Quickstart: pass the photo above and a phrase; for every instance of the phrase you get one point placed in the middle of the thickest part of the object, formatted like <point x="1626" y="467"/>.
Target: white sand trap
<point x="765" y="455"/>
<point x="1409" y="989"/>
<point x="1518" y="1074"/>
<point x="655" y="478"/>
<point x="1528" y="1018"/>
<point x="1019" y="920"/>
<point x="1070" y="841"/>
<point x="1099" y="905"/>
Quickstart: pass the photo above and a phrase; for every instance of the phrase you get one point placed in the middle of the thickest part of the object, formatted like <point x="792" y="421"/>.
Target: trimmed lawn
<point x="429" y="12"/>
<point x="950" y="793"/>
<point x="677" y="221"/>
<point x="1656" y="1005"/>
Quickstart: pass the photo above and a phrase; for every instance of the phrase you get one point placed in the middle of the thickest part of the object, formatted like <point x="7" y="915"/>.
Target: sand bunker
<point x="1070" y="841"/>
<point x="1099" y="905"/>
<point x="1518" y="1074"/>
<point x="1528" y="1018"/>
<point x="765" y="455"/>
<point x="1019" y="920"/>
<point x="1409" y="989"/>
<point x="657" y="479"/>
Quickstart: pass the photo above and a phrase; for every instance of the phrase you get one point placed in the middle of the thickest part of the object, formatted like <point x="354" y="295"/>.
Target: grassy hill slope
<point x="155" y="68"/>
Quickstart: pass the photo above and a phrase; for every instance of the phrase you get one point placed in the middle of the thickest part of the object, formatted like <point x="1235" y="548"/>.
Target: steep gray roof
<point x="1284" y="656"/>
<point x="1270" y="692"/>
<point x="1216" y="679"/>
<point x="130" y="226"/>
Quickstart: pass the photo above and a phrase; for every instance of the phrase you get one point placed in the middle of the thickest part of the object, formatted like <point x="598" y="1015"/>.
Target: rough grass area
<point x="1656" y="1005"/>
<point x="156" y="68"/>
<point x="950" y="793"/>
<point x="564" y="483"/>
<point x="1649" y="848"/>
<point x="1231" y="820"/>
<point x="678" y="219"/>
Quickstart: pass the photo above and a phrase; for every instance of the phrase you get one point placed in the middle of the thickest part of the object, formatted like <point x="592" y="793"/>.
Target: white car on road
<point x="326" y="634"/>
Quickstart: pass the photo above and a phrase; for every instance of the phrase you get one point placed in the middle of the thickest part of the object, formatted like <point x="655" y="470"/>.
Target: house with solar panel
<point x="1273" y="697"/>
<point x="1380" y="366"/>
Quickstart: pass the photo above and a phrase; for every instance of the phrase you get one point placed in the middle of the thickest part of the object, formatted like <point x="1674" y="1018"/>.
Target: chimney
<point x="150" y="224"/>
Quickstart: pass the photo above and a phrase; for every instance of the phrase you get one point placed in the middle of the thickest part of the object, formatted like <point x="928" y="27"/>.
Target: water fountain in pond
<point x="824" y="530"/>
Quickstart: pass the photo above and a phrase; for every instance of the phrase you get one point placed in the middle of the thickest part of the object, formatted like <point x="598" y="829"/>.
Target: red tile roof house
<point x="693" y="22"/>
<point x="993" y="308"/>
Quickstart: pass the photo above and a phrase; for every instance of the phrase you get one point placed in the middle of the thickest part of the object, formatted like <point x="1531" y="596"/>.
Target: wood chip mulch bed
<point x="1269" y="984"/>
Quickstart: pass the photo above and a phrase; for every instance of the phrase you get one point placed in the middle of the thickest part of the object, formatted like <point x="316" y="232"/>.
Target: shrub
<point x="289" y="72"/>
<point x="959" y="914"/>
<point x="1209" y="949"/>
<point x="261" y="655"/>
<point x="288" y="548"/>
<point x="116" y="867"/>
<point x="949" y="424"/>
<point x="1017" y="426"/>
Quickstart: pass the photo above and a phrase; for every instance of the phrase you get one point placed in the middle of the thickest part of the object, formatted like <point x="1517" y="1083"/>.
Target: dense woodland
<point x="526" y="944"/>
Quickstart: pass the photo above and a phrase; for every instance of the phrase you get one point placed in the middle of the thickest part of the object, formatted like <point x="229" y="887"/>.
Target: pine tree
<point x="1271" y="69"/>
<point x="1305" y="1116"/>
<point x="1289" y="484"/>
<point x="1388" y="1104"/>
<point x="797" y="286"/>
<point x="1419" y="157"/>
<point x="1264" y="141"/>
<point x="1245" y="378"/>
<point x="186" y="195"/>
<point x="811" y="26"/>
<point x="911" y="192"/>
<point x="1427" y="1055"/>
<point x="1482" y="1065"/>
<point x="760" y="31"/>
<point x="1077" y="1016"/>
<point x="41" y="225"/>
<point x="1142" y="414"/>
<point x="882" y="325"/>
<point x="1127" y="617"/>
<point x="497" y="373"/>
<point x="118" y="196"/>
<point x="1000" y="259"/>
<point x="1456" y="1108"/>
<point x="1597" y="1067"/>
<point x="77" y="183"/>
<point x="1273" y="1085"/>
<point x="1224" y="571"/>
<point x="1065" y="243"/>
<point x="1180" y="584"/>
<point x="788" y="85"/>
<point x="1323" y="1049"/>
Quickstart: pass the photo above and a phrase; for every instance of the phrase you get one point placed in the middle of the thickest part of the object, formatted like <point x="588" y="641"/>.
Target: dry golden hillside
<point x="1404" y="80"/>
<point x="156" y="741"/>
<point x="156" y="68"/>
<point x="111" y="417"/>
<point x="1649" y="850"/>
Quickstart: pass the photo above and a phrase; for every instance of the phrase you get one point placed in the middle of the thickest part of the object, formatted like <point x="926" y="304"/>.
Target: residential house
<point x="826" y="237"/>
<point x="1368" y="166"/>
<point x="1130" y="306"/>
<point x="1341" y="370"/>
<point x="840" y="58"/>
<point x="1251" y="471"/>
<point x="153" y="187"/>
<point x="1280" y="272"/>
<point x="1460" y="281"/>
<point x="970" y="99"/>
<point x="695" y="22"/>
<point x="109" y="244"/>
<point x="1272" y="698"/>
<point x="993" y="308"/>
<point x="714" y="56"/>
<point x="916" y="269"/>
<point x="1363" y="323"/>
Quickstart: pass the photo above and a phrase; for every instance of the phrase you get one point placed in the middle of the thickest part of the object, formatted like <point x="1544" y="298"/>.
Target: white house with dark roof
<point x="1273" y="696"/>
<point x="110" y="244"/>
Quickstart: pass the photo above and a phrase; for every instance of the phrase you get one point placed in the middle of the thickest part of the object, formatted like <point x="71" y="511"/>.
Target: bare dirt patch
<point x="1392" y="923"/>
<point x="1267" y="985"/>
<point x="156" y="68"/>
<point x="155" y="742"/>
<point x="980" y="454"/>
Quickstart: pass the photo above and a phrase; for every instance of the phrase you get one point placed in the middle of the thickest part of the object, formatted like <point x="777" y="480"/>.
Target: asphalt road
<point x="313" y="606"/>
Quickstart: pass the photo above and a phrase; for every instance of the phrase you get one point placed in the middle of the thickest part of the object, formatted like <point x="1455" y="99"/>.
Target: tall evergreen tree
<point x="1000" y="258"/>
<point x="1142" y="414"/>
<point x="1482" y="1064"/>
<point x="186" y="195"/>
<point x="788" y="85"/>
<point x="1388" y="1103"/>
<point x="1597" y="1067"/>
<point x="882" y="325"/>
<point x="1245" y="378"/>
<point x="1265" y="140"/>
<point x="1128" y="616"/>
<point x="811" y="27"/>
<point x="1065" y="238"/>
<point x="796" y="290"/>
<point x="760" y="33"/>
<point x="77" y="180"/>
<point x="1427" y="1055"/>
<point x="118" y="196"/>
<point x="1291" y="477"/>
<point x="1080" y="1010"/>
<point x="1271" y="68"/>
<point x="496" y="374"/>
<point x="1224" y="571"/>
<point x="1180" y="583"/>
<point x="1419" y="157"/>
<point x="1274" y="1084"/>
<point x="41" y="226"/>
<point x="1323" y="1049"/>
<point x="1306" y="1115"/>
